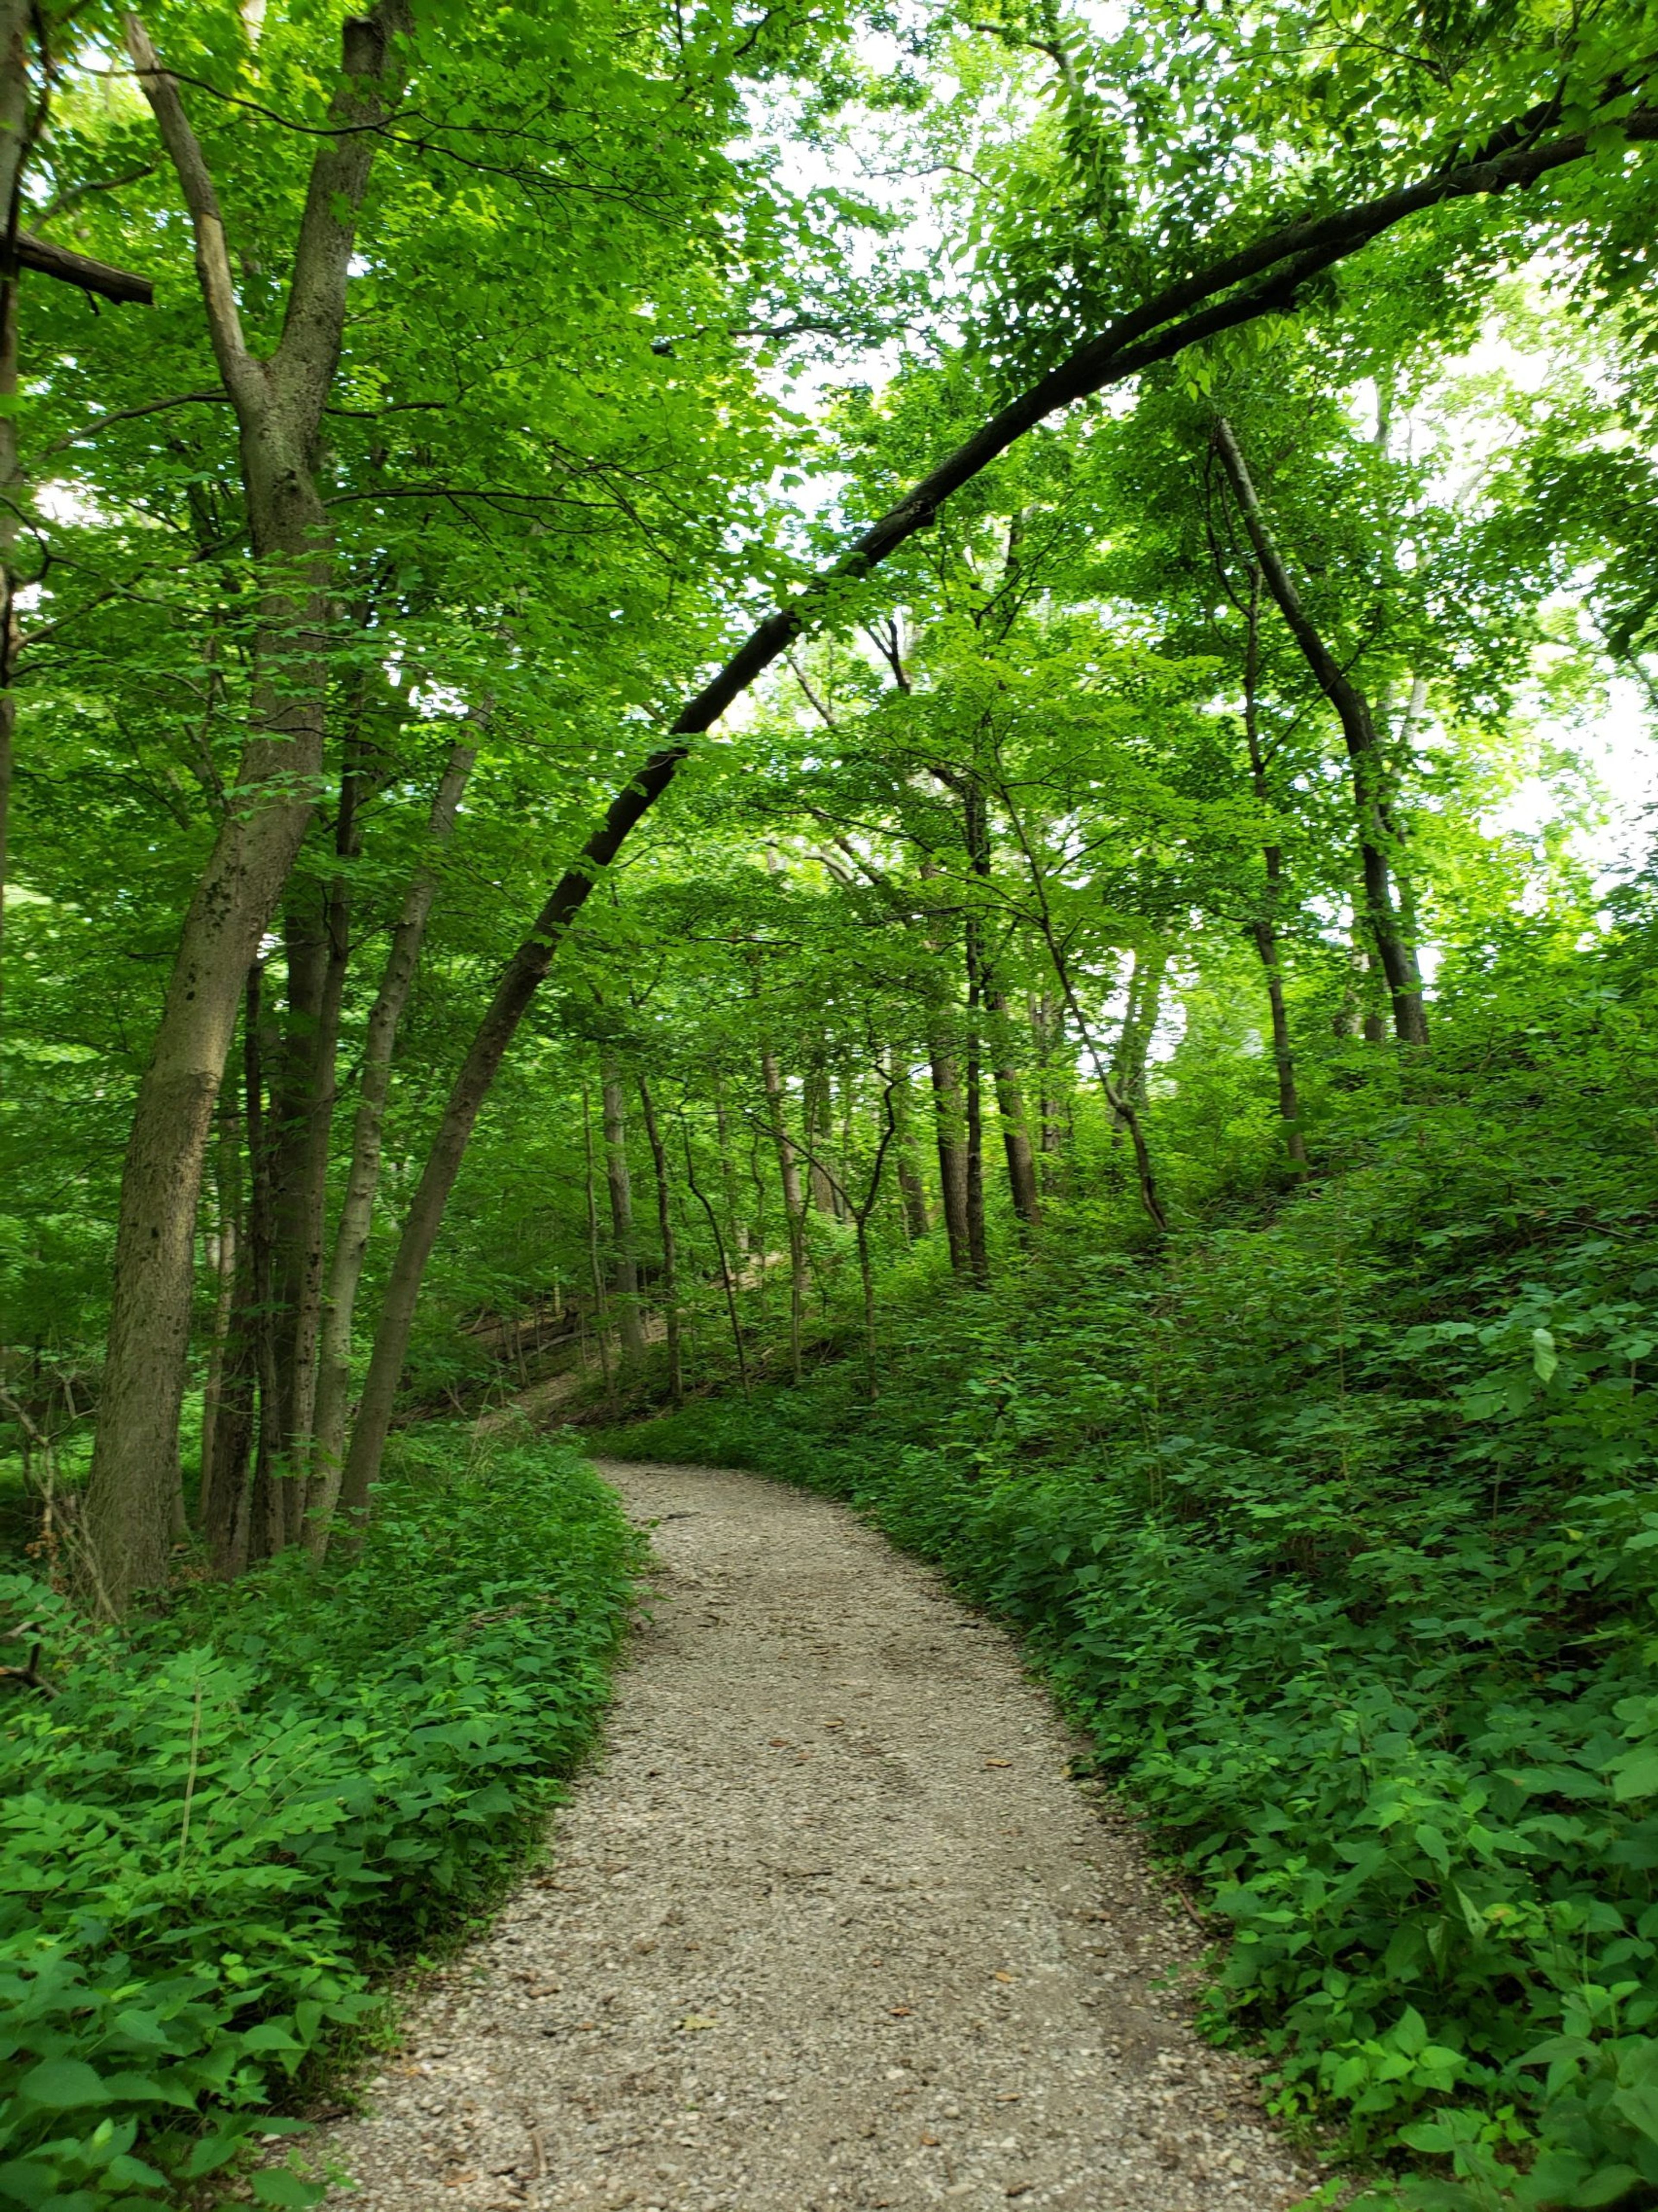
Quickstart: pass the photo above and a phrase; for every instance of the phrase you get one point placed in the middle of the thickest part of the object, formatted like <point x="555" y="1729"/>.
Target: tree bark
<point x="625" y="1274"/>
<point x="1394" y="946"/>
<point x="665" y="1231"/>
<point x="352" y="1234"/>
<point x="278" y="405"/>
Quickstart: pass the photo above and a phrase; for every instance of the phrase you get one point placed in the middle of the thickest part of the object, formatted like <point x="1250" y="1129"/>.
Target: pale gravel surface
<point x="827" y="1926"/>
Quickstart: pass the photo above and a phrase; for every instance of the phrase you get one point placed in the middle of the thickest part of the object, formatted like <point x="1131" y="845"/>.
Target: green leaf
<point x="61" y="2083"/>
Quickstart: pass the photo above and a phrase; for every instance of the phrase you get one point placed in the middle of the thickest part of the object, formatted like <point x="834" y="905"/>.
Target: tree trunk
<point x="16" y="17"/>
<point x="1138" y="1024"/>
<point x="816" y="1110"/>
<point x="952" y="1150"/>
<point x="1393" y="947"/>
<point x="624" y="1252"/>
<point x="367" y="1140"/>
<point x="278" y="405"/>
<point x="912" y="1187"/>
<point x="794" y="1211"/>
<point x="1009" y="1103"/>
<point x="595" y="1252"/>
<point x="210" y="1513"/>
<point x="664" y="1230"/>
<point x="1265" y="929"/>
<point x="1047" y="1030"/>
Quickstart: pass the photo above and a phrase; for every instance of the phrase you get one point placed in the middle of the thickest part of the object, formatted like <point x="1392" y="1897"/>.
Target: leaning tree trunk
<point x="1260" y="279"/>
<point x="278" y="404"/>
<point x="1394" y="946"/>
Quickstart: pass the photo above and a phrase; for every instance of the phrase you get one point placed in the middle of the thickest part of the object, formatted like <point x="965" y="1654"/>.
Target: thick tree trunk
<point x="1394" y="946"/>
<point x="664" y="1232"/>
<point x="278" y="405"/>
<point x="624" y="1272"/>
<point x="367" y="1140"/>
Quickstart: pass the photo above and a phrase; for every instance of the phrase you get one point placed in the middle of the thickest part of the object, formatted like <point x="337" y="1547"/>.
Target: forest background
<point x="874" y="728"/>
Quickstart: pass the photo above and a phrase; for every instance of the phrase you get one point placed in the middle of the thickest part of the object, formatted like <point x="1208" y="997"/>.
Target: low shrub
<point x="221" y="1825"/>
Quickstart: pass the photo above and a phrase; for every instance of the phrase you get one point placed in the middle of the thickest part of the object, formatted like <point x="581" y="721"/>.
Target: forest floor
<point x="827" y="1925"/>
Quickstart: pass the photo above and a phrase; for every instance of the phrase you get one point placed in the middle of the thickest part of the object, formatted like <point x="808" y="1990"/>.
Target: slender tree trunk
<point x="734" y="1319"/>
<point x="210" y="1511"/>
<point x="794" y="1210"/>
<point x="278" y="404"/>
<point x="815" y="1107"/>
<point x="595" y="1248"/>
<point x="16" y="17"/>
<point x="368" y="1141"/>
<point x="736" y="1226"/>
<point x="912" y="1187"/>
<point x="1265" y="929"/>
<point x="1009" y="1103"/>
<point x="664" y="1230"/>
<point x="952" y="1150"/>
<point x="1046" y="1030"/>
<point x="1397" y="953"/>
<point x="266" y="1528"/>
<point x="1140" y="1022"/>
<point x="625" y="1255"/>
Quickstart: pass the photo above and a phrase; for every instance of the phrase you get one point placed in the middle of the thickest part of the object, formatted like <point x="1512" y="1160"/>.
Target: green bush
<point x="221" y="1825"/>
<point x="1348" y="1563"/>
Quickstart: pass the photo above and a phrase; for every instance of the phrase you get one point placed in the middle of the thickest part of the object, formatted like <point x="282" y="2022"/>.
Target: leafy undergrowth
<point x="1347" y="1558"/>
<point x="222" y="1825"/>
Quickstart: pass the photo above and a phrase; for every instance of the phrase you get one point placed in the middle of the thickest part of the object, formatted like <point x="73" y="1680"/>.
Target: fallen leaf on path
<point x="1001" y="1977"/>
<point x="780" y="1743"/>
<point x="930" y="2142"/>
<point x="999" y="1762"/>
<point x="899" y="2012"/>
<point x="695" y="2019"/>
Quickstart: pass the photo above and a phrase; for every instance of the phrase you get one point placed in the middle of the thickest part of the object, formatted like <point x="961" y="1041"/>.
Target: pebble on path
<point x="826" y="1928"/>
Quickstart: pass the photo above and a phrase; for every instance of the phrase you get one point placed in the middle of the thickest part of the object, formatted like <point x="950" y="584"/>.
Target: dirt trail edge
<point x="827" y="1926"/>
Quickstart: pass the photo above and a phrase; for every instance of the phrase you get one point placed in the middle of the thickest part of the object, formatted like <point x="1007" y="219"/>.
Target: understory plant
<point x="223" y="1824"/>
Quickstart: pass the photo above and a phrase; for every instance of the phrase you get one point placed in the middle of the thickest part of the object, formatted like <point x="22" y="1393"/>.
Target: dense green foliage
<point x="1336" y="1528"/>
<point x="223" y="1824"/>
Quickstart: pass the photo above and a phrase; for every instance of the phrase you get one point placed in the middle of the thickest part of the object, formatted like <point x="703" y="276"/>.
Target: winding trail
<point x="827" y="1926"/>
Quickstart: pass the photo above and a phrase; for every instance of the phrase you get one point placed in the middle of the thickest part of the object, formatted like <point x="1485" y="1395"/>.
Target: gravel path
<point x="827" y="1927"/>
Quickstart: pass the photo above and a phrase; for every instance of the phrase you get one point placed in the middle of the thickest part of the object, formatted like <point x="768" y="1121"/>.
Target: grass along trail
<point x="826" y="1926"/>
